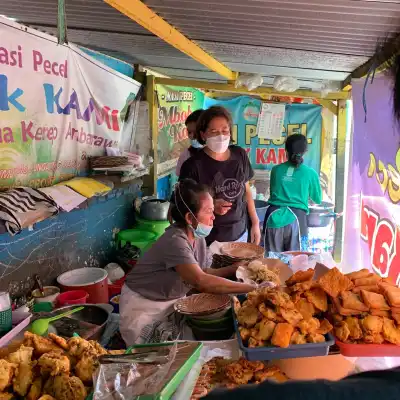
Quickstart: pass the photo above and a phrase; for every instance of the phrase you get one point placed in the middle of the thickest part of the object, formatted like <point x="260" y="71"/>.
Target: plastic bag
<point x="302" y="262"/>
<point x="326" y="259"/>
<point x="279" y="256"/>
<point x="286" y="84"/>
<point x="251" y="81"/>
<point x="127" y="381"/>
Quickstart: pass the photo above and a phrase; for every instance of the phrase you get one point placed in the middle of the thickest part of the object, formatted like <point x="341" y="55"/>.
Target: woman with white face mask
<point x="226" y="169"/>
<point x="174" y="265"/>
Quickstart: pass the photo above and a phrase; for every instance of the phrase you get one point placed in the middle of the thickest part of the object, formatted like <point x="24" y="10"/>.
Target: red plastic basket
<point x="368" y="350"/>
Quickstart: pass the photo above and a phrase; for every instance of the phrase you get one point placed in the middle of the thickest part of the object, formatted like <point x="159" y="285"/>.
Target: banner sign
<point x="266" y="153"/>
<point x="57" y="107"/>
<point x="175" y="104"/>
<point x="372" y="230"/>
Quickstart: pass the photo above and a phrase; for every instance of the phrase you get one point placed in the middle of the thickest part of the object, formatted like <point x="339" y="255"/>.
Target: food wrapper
<point x="129" y="380"/>
<point x="242" y="274"/>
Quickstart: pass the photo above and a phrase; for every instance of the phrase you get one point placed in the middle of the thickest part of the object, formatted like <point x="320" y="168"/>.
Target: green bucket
<point x="158" y="227"/>
<point x="136" y="237"/>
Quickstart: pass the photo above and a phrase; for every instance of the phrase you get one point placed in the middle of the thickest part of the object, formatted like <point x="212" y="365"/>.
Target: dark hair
<point x="207" y="116"/>
<point x="186" y="198"/>
<point x="296" y="146"/>
<point x="194" y="116"/>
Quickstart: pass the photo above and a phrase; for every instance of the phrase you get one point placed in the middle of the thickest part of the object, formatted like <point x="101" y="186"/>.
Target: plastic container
<point x="157" y="227"/>
<point x="19" y="322"/>
<point x="50" y="294"/>
<point x="116" y="287"/>
<point x="91" y="280"/>
<point x="136" y="237"/>
<point x="72" y="297"/>
<point x="368" y="350"/>
<point x="276" y="353"/>
<point x="114" y="301"/>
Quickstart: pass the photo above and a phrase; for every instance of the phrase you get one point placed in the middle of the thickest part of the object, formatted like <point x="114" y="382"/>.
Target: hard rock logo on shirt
<point x="229" y="189"/>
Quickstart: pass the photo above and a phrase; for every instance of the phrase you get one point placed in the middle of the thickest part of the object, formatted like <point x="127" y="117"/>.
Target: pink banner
<point x="372" y="230"/>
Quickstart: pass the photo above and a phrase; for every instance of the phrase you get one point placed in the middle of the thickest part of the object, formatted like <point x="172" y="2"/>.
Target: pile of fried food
<point x="222" y="373"/>
<point x="49" y="368"/>
<point x="259" y="273"/>
<point x="284" y="316"/>
<point x="365" y="308"/>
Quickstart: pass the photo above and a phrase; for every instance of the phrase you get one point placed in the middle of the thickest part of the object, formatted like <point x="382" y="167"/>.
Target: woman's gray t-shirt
<point x="154" y="276"/>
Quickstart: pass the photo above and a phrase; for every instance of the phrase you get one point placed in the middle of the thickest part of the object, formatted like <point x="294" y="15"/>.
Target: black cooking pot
<point x="154" y="209"/>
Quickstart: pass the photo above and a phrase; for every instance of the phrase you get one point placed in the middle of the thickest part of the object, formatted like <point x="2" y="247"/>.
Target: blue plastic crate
<point x="276" y="353"/>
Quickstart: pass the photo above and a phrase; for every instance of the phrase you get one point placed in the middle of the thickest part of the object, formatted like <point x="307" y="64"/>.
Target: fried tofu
<point x="380" y="313"/>
<point x="363" y="273"/>
<point x="370" y="280"/>
<point x="266" y="329"/>
<point x="354" y="328"/>
<point x="392" y="294"/>
<point x="298" y="338"/>
<point x="291" y="316"/>
<point x="7" y="371"/>
<point x="334" y="282"/>
<point x="305" y="308"/>
<point x="318" y="298"/>
<point x="307" y="326"/>
<point x="370" y="288"/>
<point x="300" y="276"/>
<point x="396" y="317"/>
<point x="390" y="332"/>
<point x="324" y="327"/>
<point x="375" y="301"/>
<point x="372" y="325"/>
<point x="345" y="311"/>
<point x="23" y="379"/>
<point x="315" y="338"/>
<point x="342" y="331"/>
<point x="282" y="334"/>
<point x="352" y="301"/>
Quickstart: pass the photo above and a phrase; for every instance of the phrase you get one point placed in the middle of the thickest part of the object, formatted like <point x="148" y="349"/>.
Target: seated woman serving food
<point x="174" y="265"/>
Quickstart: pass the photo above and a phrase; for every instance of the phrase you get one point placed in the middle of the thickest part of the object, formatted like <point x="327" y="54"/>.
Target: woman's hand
<point x="221" y="207"/>
<point x="255" y="234"/>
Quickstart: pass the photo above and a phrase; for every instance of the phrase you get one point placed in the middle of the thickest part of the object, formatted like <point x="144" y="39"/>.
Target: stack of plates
<point x="237" y="252"/>
<point x="202" y="304"/>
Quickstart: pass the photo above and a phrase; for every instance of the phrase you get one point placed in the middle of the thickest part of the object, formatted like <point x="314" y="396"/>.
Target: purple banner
<point x="372" y="230"/>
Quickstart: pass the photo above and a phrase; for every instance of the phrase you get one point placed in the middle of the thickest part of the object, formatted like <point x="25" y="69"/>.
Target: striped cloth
<point x="15" y="202"/>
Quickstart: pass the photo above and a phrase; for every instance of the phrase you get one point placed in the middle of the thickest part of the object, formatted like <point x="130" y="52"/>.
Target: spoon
<point x="41" y="326"/>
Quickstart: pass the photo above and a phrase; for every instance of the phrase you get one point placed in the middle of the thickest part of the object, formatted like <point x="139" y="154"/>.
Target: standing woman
<point x="226" y="169"/>
<point x="195" y="146"/>
<point x="292" y="184"/>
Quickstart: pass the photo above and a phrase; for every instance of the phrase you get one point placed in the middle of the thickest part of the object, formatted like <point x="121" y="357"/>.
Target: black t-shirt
<point x="374" y="385"/>
<point x="227" y="179"/>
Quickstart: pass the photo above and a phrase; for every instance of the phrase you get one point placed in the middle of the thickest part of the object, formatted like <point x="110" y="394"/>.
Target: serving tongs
<point x="149" y="357"/>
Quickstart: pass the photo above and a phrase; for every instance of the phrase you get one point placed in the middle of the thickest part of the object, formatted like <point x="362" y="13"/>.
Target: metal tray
<point x="277" y="353"/>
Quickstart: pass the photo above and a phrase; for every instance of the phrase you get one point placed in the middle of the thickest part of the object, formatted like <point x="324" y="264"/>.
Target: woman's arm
<point x="206" y="283"/>
<point x="255" y="223"/>
<point x="224" y="272"/>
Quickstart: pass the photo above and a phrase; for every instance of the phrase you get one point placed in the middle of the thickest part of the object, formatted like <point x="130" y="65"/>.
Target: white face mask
<point x="218" y="144"/>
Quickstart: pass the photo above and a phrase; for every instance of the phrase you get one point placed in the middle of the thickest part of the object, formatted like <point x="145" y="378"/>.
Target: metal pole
<point x="61" y="23"/>
<point x="151" y="97"/>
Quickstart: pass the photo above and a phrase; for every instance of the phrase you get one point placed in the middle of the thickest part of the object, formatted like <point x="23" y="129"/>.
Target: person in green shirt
<point x="292" y="185"/>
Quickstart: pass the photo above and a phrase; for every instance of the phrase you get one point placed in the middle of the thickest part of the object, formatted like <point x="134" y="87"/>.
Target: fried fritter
<point x="307" y="326"/>
<point x="396" y="317"/>
<point x="315" y="338"/>
<point x="77" y="346"/>
<point x="390" y="332"/>
<point x="369" y="280"/>
<point x="100" y="350"/>
<point x="248" y="316"/>
<point x="36" y="389"/>
<point x="358" y="274"/>
<point x="353" y="301"/>
<point x="54" y="363"/>
<point x="244" y="333"/>
<point x="298" y="338"/>
<point x="7" y="371"/>
<point x="372" y="325"/>
<point x="253" y="343"/>
<point x="300" y="276"/>
<point x="324" y="327"/>
<point x="354" y="328"/>
<point x="280" y="299"/>
<point x="48" y="387"/>
<point x="41" y="344"/>
<point x="86" y="367"/>
<point x="236" y="373"/>
<point x="282" y="334"/>
<point x="58" y="340"/>
<point x="374" y="339"/>
<point x="251" y="365"/>
<point x="267" y="312"/>
<point x="305" y="308"/>
<point x="6" y="396"/>
<point x="291" y="316"/>
<point x="266" y="373"/>
<point x="392" y="293"/>
<point x="47" y="397"/>
<point x="266" y="329"/>
<point x="22" y="356"/>
<point x="302" y="286"/>
<point x="334" y="282"/>
<point x="375" y="300"/>
<point x="23" y="379"/>
<point x="69" y="388"/>
<point x="342" y="332"/>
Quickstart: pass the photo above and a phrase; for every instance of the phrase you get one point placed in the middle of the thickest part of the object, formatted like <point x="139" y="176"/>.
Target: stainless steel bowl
<point x="320" y="215"/>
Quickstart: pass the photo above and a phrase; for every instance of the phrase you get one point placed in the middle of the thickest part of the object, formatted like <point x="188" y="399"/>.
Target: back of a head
<point x="296" y="147"/>
<point x="194" y="116"/>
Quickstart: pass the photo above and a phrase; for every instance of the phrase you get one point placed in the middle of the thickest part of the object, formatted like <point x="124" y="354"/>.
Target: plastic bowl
<point x="50" y="294"/>
<point x="217" y="323"/>
<point x="136" y="237"/>
<point x="72" y="297"/>
<point x="114" y="301"/>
